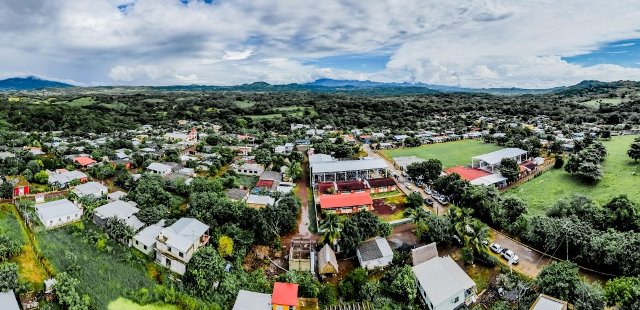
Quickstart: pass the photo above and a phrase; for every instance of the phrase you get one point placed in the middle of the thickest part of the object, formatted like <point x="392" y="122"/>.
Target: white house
<point x="63" y="178"/>
<point x="8" y="301"/>
<point x="443" y="285"/>
<point x="58" y="213"/>
<point x="177" y="243"/>
<point x="124" y="210"/>
<point x="90" y="189"/>
<point x="249" y="169"/>
<point x="145" y="240"/>
<point x="374" y="253"/>
<point x="160" y="169"/>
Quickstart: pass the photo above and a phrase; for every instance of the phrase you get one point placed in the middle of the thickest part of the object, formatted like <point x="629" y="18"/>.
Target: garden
<point x="106" y="270"/>
<point x="456" y="153"/>
<point x="621" y="177"/>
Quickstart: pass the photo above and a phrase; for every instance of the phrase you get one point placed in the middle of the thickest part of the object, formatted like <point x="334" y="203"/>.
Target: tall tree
<point x="331" y="228"/>
<point x="204" y="270"/>
<point x="509" y="168"/>
<point x="634" y="149"/>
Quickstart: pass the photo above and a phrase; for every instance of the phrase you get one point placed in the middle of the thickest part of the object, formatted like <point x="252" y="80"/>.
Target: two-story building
<point x="176" y="244"/>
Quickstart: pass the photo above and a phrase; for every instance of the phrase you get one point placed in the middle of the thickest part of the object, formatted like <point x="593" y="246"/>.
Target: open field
<point x="595" y="103"/>
<point x="244" y="104"/>
<point x="105" y="276"/>
<point x="29" y="267"/>
<point x="296" y="111"/>
<point x="456" y="153"/>
<point x="621" y="176"/>
<point x="126" y="304"/>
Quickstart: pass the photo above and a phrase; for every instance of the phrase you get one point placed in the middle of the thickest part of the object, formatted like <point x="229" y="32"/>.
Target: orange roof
<point x="285" y="294"/>
<point x="84" y="161"/>
<point x="345" y="200"/>
<point x="468" y="174"/>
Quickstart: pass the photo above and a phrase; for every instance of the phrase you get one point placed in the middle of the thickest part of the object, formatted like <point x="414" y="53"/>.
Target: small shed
<point x="327" y="262"/>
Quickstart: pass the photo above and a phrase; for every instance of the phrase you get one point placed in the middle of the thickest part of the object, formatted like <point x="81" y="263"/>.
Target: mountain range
<point x="337" y="86"/>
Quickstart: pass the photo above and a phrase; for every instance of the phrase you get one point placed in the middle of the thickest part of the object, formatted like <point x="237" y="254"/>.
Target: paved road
<point x="402" y="182"/>
<point x="531" y="261"/>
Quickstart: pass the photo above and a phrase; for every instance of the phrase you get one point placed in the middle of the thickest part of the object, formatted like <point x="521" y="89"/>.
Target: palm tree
<point x="478" y="237"/>
<point x="331" y="228"/>
<point x="419" y="217"/>
<point x="460" y="220"/>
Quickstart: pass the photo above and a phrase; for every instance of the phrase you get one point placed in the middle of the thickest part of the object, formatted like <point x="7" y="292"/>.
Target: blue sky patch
<point x="353" y="62"/>
<point x="126" y="7"/>
<point x="625" y="53"/>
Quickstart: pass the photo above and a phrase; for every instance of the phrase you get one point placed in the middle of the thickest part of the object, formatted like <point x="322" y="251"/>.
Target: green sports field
<point x="621" y="176"/>
<point x="457" y="153"/>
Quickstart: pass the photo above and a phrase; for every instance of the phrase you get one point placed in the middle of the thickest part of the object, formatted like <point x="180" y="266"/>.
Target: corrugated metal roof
<point x="55" y="209"/>
<point x="495" y="157"/>
<point x="441" y="278"/>
<point x="374" y="249"/>
<point x="252" y="300"/>
<point x="348" y="165"/>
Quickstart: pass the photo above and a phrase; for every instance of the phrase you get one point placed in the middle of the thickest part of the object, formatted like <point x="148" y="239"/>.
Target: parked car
<point x="509" y="255"/>
<point x="428" y="201"/>
<point x="495" y="248"/>
<point x="409" y="187"/>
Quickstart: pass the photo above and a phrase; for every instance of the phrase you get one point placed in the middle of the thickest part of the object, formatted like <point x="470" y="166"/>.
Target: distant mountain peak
<point x="29" y="82"/>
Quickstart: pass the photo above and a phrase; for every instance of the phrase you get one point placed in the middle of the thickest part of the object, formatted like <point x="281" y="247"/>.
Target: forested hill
<point x="29" y="83"/>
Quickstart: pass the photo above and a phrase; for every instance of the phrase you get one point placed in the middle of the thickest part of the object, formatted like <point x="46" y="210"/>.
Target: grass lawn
<point x="266" y="116"/>
<point x="456" y="153"/>
<point x="621" y="176"/>
<point x="105" y="276"/>
<point x="595" y="103"/>
<point x="29" y="267"/>
<point x="244" y="104"/>
<point x="126" y="304"/>
<point x="386" y="194"/>
<point x="81" y="102"/>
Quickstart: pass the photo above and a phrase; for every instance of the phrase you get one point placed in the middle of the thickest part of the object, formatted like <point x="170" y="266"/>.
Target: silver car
<point x="510" y="256"/>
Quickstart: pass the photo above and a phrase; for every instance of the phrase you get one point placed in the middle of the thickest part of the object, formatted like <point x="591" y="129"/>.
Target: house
<point x="346" y="203"/>
<point x="123" y="210"/>
<point x="285" y="296"/>
<point x="237" y="194"/>
<point x="382" y="185"/>
<point x="248" y="168"/>
<point x="117" y="195"/>
<point x="491" y="161"/>
<point x="90" y="189"/>
<point x="259" y="201"/>
<point x="176" y="244"/>
<point x="58" y="213"/>
<point x="443" y="285"/>
<point x="374" y="253"/>
<point x="160" y="169"/>
<point x="302" y="255"/>
<point x="62" y="178"/>
<point x="252" y="300"/>
<point x="84" y="161"/>
<point x="8" y="301"/>
<point x="544" y="302"/>
<point x="424" y="253"/>
<point x="145" y="240"/>
<point x="327" y="262"/>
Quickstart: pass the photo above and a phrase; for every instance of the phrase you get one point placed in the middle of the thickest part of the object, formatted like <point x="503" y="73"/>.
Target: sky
<point x="471" y="43"/>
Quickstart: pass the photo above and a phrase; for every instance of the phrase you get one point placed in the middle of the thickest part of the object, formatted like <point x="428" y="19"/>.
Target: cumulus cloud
<point x="486" y="43"/>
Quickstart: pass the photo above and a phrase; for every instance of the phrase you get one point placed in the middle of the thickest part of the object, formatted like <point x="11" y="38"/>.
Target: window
<point x="145" y="247"/>
<point x="68" y="217"/>
<point x="180" y="254"/>
<point x="136" y="242"/>
<point x="455" y="300"/>
<point x="51" y="222"/>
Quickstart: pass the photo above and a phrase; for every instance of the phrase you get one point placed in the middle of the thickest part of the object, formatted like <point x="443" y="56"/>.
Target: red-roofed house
<point x="285" y="296"/>
<point x="84" y="162"/>
<point x="468" y="174"/>
<point x="382" y="185"/>
<point x="346" y="203"/>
